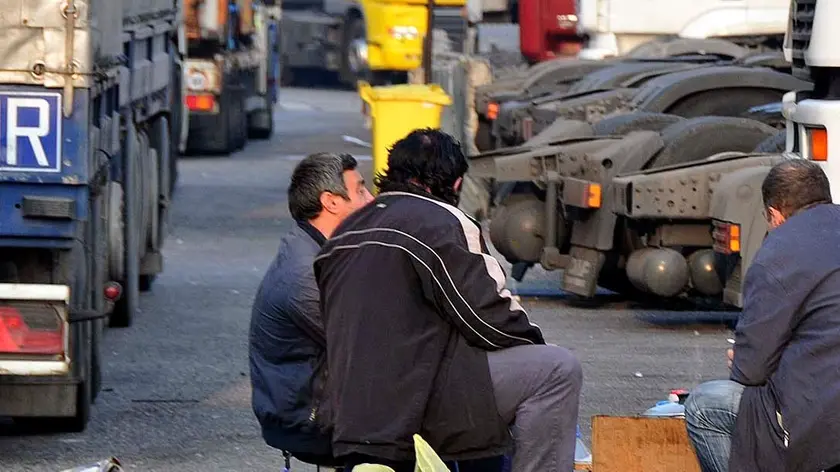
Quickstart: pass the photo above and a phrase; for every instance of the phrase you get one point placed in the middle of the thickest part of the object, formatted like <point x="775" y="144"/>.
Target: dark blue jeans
<point x="710" y="413"/>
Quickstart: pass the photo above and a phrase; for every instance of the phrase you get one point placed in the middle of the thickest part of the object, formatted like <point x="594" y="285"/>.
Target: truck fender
<point x="732" y="21"/>
<point x="561" y="129"/>
<point x="562" y="72"/>
<point x="661" y="93"/>
<point x="737" y="199"/>
<point x="617" y="75"/>
<point x="771" y="59"/>
<point x="686" y="46"/>
<point x="618" y="157"/>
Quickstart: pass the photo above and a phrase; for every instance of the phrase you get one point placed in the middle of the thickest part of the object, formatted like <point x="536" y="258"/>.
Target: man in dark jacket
<point x="424" y="337"/>
<point x="287" y="333"/>
<point x="780" y="410"/>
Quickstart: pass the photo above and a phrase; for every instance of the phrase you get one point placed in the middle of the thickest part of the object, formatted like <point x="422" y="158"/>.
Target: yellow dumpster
<point x="396" y="111"/>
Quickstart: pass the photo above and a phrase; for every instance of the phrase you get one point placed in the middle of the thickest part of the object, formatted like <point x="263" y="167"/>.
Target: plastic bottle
<point x="672" y="407"/>
<point x="582" y="454"/>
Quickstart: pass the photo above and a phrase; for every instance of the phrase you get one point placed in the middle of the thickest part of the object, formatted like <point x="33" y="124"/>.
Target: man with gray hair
<point x="287" y="341"/>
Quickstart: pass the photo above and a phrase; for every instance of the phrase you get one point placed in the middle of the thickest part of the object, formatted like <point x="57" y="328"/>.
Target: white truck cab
<point x="813" y="118"/>
<point x="614" y="27"/>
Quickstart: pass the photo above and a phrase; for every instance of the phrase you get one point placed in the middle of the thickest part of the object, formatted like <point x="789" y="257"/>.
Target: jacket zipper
<point x="316" y="395"/>
<point x="786" y="436"/>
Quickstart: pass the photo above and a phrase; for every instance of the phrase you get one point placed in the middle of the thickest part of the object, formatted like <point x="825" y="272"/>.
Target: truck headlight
<point x="197" y="80"/>
<point x="403" y="32"/>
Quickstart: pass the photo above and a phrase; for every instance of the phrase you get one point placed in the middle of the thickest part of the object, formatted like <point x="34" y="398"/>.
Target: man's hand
<point x="730" y="354"/>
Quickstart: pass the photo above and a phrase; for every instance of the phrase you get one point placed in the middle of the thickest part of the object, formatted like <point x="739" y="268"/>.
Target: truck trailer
<point x="232" y="72"/>
<point x="659" y="206"/>
<point x="91" y="111"/>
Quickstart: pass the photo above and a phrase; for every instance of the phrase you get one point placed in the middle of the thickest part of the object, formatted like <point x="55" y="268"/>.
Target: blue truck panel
<point x="16" y="222"/>
<point x="39" y="145"/>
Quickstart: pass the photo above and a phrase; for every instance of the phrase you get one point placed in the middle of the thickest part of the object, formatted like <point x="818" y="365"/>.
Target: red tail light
<point x="201" y="103"/>
<point x="31" y="328"/>
<point x="726" y="237"/>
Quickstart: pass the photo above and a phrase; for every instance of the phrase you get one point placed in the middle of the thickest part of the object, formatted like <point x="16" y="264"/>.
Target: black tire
<point x="239" y="123"/>
<point x="120" y="316"/>
<point x="96" y="360"/>
<point x="354" y="29"/>
<point x="697" y="139"/>
<point x="175" y="123"/>
<point x="484" y="140"/>
<point x="261" y="122"/>
<point x="146" y="281"/>
<point x="724" y="102"/>
<point x="84" y="401"/>
<point x="773" y="144"/>
<point x="124" y="309"/>
<point x="618" y="125"/>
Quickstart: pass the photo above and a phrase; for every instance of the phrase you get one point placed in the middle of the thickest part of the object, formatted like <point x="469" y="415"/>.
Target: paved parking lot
<point x="176" y="392"/>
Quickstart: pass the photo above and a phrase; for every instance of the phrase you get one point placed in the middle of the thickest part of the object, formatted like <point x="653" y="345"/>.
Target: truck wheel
<point x="484" y="140"/>
<point x="153" y="225"/>
<point x="773" y="144"/>
<point x="698" y="138"/>
<point x="239" y="122"/>
<point x="725" y="102"/>
<point x="125" y="308"/>
<point x="261" y="122"/>
<point x="354" y="29"/>
<point x="624" y="123"/>
<point x="73" y="268"/>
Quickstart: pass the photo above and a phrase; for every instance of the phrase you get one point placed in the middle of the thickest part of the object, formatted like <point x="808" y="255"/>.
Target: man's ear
<point x="457" y="186"/>
<point x="775" y="216"/>
<point x="328" y="202"/>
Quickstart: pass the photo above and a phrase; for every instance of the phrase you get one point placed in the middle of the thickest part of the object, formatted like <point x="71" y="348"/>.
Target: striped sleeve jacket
<point x="412" y="300"/>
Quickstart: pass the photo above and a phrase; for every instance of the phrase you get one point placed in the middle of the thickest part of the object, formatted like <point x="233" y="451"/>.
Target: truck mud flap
<point x="580" y="276"/>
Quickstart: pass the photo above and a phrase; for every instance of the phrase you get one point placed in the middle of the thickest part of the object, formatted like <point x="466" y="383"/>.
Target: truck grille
<point x="450" y="21"/>
<point x="802" y="22"/>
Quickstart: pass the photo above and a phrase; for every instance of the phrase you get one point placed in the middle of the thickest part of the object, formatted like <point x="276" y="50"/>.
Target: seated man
<point x="780" y="410"/>
<point x="424" y="338"/>
<point x="287" y="334"/>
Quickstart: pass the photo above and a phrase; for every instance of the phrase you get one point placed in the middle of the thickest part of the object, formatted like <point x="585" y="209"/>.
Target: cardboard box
<point x="641" y="444"/>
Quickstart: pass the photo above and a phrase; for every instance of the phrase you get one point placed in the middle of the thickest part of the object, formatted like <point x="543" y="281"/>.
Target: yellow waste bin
<point x="396" y="111"/>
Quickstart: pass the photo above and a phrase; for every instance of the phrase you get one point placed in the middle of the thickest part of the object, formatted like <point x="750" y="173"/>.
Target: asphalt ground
<point x="176" y="390"/>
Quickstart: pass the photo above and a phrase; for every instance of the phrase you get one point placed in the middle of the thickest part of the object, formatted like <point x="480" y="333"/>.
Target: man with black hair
<point x="287" y="339"/>
<point x="780" y="409"/>
<point x="425" y="339"/>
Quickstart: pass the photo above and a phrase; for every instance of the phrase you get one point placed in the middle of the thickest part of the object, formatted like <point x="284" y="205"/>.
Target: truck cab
<point x="813" y="118"/>
<point x="614" y="27"/>
<point x="548" y="29"/>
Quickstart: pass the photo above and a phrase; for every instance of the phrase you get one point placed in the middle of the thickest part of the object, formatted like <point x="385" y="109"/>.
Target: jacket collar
<point x="312" y="232"/>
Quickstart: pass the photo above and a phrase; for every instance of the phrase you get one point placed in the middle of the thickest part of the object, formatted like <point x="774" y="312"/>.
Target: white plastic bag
<point x="427" y="458"/>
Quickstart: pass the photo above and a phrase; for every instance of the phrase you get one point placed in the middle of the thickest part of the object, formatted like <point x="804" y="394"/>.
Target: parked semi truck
<point x="624" y="31"/>
<point x="645" y="202"/>
<point x="376" y="40"/>
<point x="89" y="91"/>
<point x="232" y="72"/>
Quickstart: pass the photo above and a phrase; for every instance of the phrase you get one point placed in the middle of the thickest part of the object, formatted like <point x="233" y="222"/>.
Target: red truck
<point x="548" y="29"/>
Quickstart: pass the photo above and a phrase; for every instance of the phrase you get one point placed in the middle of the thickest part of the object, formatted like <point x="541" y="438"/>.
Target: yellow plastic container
<point x="396" y="111"/>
